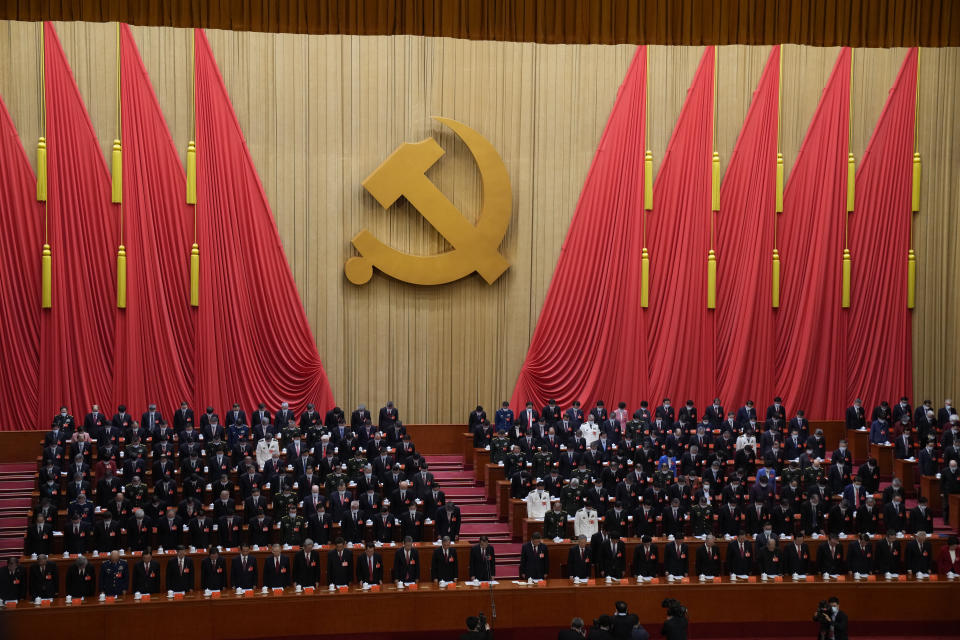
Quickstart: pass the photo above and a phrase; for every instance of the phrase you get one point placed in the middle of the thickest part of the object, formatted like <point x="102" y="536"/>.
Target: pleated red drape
<point x="253" y="340"/>
<point x="589" y="341"/>
<point x="811" y="329"/>
<point x="879" y="354"/>
<point x="155" y="334"/>
<point x="77" y="334"/>
<point x="681" y="351"/>
<point x="20" y="245"/>
<point x="745" y="322"/>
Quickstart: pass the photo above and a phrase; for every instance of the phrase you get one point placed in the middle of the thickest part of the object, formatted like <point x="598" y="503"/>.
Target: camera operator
<point x="675" y="626"/>
<point x="833" y="622"/>
<point x="477" y="629"/>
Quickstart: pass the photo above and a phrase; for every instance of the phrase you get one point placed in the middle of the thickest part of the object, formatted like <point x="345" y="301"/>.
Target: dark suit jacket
<point x="80" y="584"/>
<point x="340" y="567"/>
<point x="240" y="578"/>
<point x="579" y="565"/>
<point x="144" y="580"/>
<point x="483" y="569"/>
<point x="276" y="577"/>
<point x="446" y="569"/>
<point x="740" y="563"/>
<point x="177" y="581"/>
<point x="827" y="563"/>
<point x="306" y="570"/>
<point x="534" y="562"/>
<point x="363" y="568"/>
<point x="213" y="576"/>
<point x="406" y="571"/>
<point x="613" y="564"/>
<point x="676" y="562"/>
<point x="44" y="584"/>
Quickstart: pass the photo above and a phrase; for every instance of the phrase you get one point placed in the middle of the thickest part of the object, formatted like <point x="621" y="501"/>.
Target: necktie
<point x="371" y="567"/>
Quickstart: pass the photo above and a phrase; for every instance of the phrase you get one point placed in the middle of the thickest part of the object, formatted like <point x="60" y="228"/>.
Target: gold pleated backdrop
<point x="320" y="112"/>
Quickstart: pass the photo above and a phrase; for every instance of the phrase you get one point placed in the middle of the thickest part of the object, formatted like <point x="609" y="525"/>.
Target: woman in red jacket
<point x="949" y="559"/>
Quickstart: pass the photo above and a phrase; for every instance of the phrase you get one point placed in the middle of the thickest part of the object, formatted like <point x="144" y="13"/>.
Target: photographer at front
<point x="675" y="626"/>
<point x="833" y="622"/>
<point x="477" y="629"/>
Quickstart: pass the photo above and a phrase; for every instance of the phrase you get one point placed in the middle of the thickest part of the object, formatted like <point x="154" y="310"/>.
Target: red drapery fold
<point x="253" y="340"/>
<point x="155" y="334"/>
<point x="811" y="354"/>
<point x="589" y="340"/>
<point x="77" y="334"/>
<point x="681" y="342"/>
<point x="745" y="226"/>
<point x="879" y="355"/>
<point x="20" y="246"/>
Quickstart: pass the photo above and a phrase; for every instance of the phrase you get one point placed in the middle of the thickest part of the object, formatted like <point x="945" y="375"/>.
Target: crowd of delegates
<point x="757" y="480"/>
<point x="140" y="485"/>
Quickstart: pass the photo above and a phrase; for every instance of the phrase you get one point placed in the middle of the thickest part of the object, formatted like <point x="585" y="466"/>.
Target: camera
<point x="823" y="613"/>
<point x="674" y="608"/>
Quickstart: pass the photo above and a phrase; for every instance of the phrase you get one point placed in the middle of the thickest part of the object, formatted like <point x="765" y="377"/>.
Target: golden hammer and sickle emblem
<point x="475" y="248"/>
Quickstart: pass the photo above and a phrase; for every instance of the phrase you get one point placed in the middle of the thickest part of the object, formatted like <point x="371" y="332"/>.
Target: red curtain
<point x="155" y="334"/>
<point x="77" y="334"/>
<point x="811" y="352"/>
<point x="681" y="351"/>
<point x="20" y="246"/>
<point x="879" y="356"/>
<point x="745" y="226"/>
<point x="589" y="341"/>
<point x="253" y="340"/>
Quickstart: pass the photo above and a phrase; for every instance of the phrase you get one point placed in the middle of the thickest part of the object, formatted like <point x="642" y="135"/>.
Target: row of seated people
<point x="605" y="556"/>
<point x="665" y="415"/>
<point x="302" y="568"/>
<point x="678" y="512"/>
<point x="171" y="528"/>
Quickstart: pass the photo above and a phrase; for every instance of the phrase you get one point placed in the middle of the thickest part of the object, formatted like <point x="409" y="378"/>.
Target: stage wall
<point x="321" y="112"/>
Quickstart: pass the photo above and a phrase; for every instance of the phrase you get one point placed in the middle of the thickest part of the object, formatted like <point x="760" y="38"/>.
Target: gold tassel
<point x="46" y="277"/>
<point x="915" y="199"/>
<point x="711" y="280"/>
<point x="42" y="169"/>
<point x="845" y="302"/>
<point x="851" y="181"/>
<point x="776" y="280"/>
<point x="645" y="278"/>
<point x="911" y="279"/>
<point x="122" y="277"/>
<point x="195" y="275"/>
<point x="116" y="196"/>
<point x="192" y="173"/>
<point x="779" y="182"/>
<point x="715" y="192"/>
<point x="648" y="180"/>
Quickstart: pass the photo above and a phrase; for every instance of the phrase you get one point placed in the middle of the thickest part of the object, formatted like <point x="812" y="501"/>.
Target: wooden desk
<point x="930" y="489"/>
<point x="884" y="455"/>
<point x="481" y="458"/>
<point x="467" y="450"/>
<point x="907" y="472"/>
<point x="833" y="431"/>
<point x="520" y="610"/>
<point x="858" y="440"/>
<point x="494" y="473"/>
<point x="502" y="490"/>
<point x="516" y="514"/>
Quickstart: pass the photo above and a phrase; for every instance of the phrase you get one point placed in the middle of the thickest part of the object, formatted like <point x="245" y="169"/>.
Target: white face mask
<point x="835" y="608"/>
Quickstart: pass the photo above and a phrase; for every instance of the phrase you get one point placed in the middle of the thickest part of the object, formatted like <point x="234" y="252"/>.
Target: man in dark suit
<point x="243" y="569"/>
<point x="44" y="579"/>
<point x="406" y="563"/>
<point x="170" y="530"/>
<point x="708" y="558"/>
<point x="645" y="559"/>
<point x="369" y="565"/>
<point x="388" y="416"/>
<point x="444" y="566"/>
<point x="146" y="574"/>
<point x="580" y="559"/>
<point x="796" y="557"/>
<point x="483" y="560"/>
<point x="740" y="555"/>
<point x="39" y="539"/>
<point x="180" y="571"/>
<point x="306" y="566"/>
<point x="613" y="558"/>
<point x="359" y="417"/>
<point x="534" y="559"/>
<point x="675" y="559"/>
<point x="276" y="569"/>
<point x="855" y="417"/>
<point x="340" y="565"/>
<point x="577" y="631"/>
<point x="81" y="581"/>
<point x="837" y="629"/>
<point x="830" y="556"/>
<point x="918" y="556"/>
<point x="151" y="418"/>
<point x="944" y="413"/>
<point x="623" y="623"/>
<point x="213" y="571"/>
